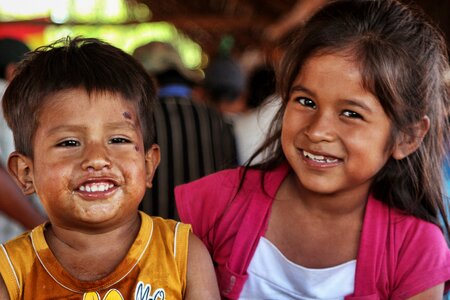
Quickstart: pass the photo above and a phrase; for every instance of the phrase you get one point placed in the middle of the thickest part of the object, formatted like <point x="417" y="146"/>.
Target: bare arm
<point x="15" y="205"/>
<point x="435" y="293"/>
<point x="299" y="14"/>
<point x="201" y="280"/>
<point x="3" y="292"/>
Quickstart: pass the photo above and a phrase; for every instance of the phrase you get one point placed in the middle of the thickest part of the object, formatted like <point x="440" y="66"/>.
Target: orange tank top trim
<point x="154" y="268"/>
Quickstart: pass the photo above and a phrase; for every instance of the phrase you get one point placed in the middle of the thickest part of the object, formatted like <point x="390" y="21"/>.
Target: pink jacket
<point x="399" y="255"/>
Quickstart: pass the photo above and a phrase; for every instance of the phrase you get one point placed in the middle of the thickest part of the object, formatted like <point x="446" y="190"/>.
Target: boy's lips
<point x="96" y="187"/>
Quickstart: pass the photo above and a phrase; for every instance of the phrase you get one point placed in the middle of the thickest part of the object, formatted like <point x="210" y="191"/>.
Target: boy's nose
<point x="95" y="158"/>
<point x="321" y="128"/>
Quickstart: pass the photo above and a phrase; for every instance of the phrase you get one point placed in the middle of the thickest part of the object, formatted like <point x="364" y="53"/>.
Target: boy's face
<point x="89" y="167"/>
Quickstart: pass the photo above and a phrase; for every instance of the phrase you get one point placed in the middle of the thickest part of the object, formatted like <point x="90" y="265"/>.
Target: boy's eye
<point x="306" y="102"/>
<point x="69" y="143"/>
<point x="351" y="114"/>
<point x="119" y="140"/>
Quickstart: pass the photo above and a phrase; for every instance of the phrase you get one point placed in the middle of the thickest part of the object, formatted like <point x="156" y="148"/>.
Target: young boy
<point x="82" y="118"/>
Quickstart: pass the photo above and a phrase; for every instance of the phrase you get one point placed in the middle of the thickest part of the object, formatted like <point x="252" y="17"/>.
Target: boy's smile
<point x="97" y="188"/>
<point x="89" y="166"/>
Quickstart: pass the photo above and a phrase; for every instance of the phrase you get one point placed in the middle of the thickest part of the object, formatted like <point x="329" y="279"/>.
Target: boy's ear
<point x="21" y="169"/>
<point x="152" y="158"/>
<point x="407" y="144"/>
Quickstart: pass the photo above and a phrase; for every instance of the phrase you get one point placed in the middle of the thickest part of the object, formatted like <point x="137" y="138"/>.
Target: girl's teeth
<point x="319" y="158"/>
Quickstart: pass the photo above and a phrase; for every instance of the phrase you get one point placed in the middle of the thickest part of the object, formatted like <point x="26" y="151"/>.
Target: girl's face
<point x="335" y="134"/>
<point x="89" y="168"/>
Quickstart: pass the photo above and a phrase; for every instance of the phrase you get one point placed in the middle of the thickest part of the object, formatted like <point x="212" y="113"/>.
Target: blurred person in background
<point x="224" y="84"/>
<point x="261" y="103"/>
<point x="193" y="137"/>
<point x="14" y="205"/>
<point x="11" y="52"/>
<point x="16" y="211"/>
<point x="248" y="102"/>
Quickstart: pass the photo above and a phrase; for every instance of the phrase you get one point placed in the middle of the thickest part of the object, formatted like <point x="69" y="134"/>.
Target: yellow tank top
<point x="154" y="268"/>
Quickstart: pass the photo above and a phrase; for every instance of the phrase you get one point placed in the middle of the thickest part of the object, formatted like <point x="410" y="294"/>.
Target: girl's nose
<point x="321" y="128"/>
<point x="95" y="158"/>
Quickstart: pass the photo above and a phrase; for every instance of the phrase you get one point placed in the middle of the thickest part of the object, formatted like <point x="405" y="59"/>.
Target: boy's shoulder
<point x="168" y="227"/>
<point x="21" y="245"/>
<point x="17" y="252"/>
<point x="166" y="232"/>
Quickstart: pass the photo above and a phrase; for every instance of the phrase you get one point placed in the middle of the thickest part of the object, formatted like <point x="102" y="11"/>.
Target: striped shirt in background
<point x="195" y="141"/>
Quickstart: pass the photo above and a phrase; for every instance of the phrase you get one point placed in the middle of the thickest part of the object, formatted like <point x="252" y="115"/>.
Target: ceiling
<point x="207" y="21"/>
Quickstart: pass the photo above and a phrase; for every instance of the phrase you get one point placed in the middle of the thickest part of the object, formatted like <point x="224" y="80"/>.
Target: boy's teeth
<point x="96" y="187"/>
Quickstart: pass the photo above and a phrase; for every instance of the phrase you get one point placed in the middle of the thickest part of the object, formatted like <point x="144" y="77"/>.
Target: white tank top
<point x="273" y="276"/>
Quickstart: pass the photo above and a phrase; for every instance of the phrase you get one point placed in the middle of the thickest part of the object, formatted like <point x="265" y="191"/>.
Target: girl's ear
<point x="407" y="144"/>
<point x="152" y="158"/>
<point x="21" y="169"/>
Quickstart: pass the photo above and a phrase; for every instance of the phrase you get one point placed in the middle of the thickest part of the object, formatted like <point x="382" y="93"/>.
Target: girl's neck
<point x="337" y="204"/>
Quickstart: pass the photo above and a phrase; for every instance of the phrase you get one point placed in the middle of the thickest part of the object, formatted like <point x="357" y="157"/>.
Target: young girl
<point x="347" y="205"/>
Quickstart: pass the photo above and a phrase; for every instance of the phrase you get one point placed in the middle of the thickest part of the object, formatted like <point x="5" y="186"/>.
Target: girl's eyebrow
<point x="358" y="103"/>
<point x="352" y="102"/>
<point x="301" y="88"/>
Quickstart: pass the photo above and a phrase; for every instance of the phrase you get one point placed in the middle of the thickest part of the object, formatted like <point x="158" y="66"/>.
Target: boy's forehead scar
<point x="127" y="115"/>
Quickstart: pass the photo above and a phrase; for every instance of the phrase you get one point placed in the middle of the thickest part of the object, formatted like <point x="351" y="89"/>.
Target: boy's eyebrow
<point x="112" y="125"/>
<point x="66" y="128"/>
<point x="123" y="124"/>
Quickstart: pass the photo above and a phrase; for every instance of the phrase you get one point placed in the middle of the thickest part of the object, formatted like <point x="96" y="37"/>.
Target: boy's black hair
<point x="87" y="63"/>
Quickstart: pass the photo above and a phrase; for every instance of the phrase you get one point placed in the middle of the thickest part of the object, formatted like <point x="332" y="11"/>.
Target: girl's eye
<point x="119" y="140"/>
<point x="306" y="102"/>
<point x="68" y="143"/>
<point x="351" y="114"/>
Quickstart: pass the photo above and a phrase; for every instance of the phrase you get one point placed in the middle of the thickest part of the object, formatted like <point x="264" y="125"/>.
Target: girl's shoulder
<point x="230" y="180"/>
<point x="204" y="201"/>
<point x="400" y="250"/>
<point x="399" y="223"/>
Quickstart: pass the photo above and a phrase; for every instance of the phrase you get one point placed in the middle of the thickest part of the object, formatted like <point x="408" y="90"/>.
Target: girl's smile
<point x="335" y="133"/>
<point x="321" y="160"/>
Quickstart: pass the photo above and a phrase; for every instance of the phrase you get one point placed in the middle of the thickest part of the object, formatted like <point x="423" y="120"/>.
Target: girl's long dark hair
<point x="403" y="59"/>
